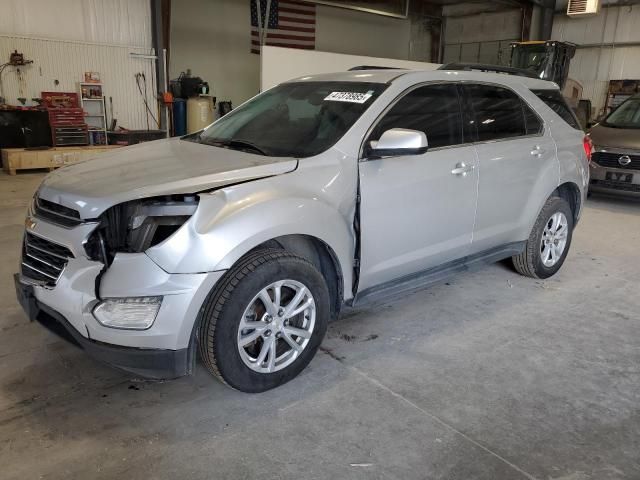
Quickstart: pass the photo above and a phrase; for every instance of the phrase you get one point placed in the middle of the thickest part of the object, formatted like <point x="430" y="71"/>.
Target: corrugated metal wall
<point x="67" y="61"/>
<point x="605" y="53"/>
<point x="482" y="37"/>
<point x="66" y="38"/>
<point x="120" y="22"/>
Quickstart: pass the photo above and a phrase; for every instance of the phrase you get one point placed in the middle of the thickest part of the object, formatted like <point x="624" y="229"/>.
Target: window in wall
<point x="432" y="109"/>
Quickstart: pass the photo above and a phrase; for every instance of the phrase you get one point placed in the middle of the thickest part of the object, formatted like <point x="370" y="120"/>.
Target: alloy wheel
<point x="276" y="326"/>
<point x="554" y="239"/>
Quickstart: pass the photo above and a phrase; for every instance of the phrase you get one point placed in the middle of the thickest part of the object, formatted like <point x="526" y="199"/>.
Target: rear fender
<point x="545" y="185"/>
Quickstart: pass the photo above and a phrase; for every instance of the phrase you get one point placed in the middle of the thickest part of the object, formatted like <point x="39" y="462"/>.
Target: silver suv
<point x="243" y="240"/>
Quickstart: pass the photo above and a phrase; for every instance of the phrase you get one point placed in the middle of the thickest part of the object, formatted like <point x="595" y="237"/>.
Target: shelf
<point x="92" y="99"/>
<point x="94" y="116"/>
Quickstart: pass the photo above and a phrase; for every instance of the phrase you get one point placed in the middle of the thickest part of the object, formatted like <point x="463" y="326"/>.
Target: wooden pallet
<point x="20" y="159"/>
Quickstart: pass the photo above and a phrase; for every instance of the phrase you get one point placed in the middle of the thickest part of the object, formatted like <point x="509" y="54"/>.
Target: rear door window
<point x="432" y="109"/>
<point x="500" y="113"/>
<point x="555" y="101"/>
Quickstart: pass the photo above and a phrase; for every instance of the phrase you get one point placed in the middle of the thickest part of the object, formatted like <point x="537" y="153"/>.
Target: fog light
<point x="133" y="313"/>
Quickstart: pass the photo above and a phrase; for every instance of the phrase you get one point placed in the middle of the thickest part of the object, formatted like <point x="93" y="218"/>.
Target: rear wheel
<point x="549" y="241"/>
<point x="265" y="321"/>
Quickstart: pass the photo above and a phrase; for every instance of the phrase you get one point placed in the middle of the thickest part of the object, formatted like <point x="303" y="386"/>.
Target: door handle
<point x="537" y="151"/>
<point x="462" y="169"/>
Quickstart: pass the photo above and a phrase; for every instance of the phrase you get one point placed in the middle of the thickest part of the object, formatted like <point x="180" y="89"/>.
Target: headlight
<point x="135" y="226"/>
<point x="131" y="313"/>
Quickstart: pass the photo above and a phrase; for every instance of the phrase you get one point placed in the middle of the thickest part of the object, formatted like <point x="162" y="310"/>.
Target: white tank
<point x="200" y="112"/>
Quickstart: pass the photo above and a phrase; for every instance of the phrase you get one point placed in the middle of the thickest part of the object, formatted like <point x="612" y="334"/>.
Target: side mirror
<point x="399" y="141"/>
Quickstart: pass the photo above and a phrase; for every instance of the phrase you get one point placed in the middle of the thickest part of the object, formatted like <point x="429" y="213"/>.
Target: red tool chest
<point x="66" y="118"/>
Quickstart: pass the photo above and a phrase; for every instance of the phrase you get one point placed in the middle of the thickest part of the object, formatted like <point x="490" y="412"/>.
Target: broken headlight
<point x="135" y="226"/>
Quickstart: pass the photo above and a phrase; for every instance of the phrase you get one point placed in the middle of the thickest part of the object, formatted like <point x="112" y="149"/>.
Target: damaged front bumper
<point x="164" y="350"/>
<point x="146" y="362"/>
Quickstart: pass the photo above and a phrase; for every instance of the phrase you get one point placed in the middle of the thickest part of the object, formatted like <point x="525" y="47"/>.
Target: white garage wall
<point x="212" y="38"/>
<point x="67" y="61"/>
<point x="121" y="22"/>
<point x="282" y="64"/>
<point x="65" y="38"/>
<point x="603" y="55"/>
<point x="356" y="33"/>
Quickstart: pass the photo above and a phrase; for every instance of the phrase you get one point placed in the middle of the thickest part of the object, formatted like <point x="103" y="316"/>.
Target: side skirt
<point x="420" y="280"/>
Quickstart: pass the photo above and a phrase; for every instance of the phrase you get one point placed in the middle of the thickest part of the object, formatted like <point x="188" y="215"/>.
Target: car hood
<point x="150" y="169"/>
<point x="623" y="138"/>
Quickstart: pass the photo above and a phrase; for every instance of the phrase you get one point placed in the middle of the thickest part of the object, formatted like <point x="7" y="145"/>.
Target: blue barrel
<point x="179" y="117"/>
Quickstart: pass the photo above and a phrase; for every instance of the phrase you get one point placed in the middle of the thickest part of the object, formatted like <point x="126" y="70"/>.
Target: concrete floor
<point x="490" y="376"/>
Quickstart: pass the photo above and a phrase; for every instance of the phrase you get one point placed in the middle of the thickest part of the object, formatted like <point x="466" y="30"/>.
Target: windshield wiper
<point x="234" y="144"/>
<point x="243" y="144"/>
<point x="193" y="137"/>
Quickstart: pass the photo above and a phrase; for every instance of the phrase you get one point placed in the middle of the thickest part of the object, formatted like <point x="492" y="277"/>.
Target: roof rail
<point x="482" y="67"/>
<point x="372" y="67"/>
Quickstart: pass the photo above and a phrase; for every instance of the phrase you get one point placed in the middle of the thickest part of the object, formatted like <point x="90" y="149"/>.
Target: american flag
<point x="291" y="24"/>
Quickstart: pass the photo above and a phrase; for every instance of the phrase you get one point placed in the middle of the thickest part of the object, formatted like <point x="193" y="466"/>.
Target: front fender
<point x="232" y="221"/>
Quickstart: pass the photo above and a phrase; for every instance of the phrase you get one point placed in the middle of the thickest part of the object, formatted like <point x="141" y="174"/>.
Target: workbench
<point x="24" y="159"/>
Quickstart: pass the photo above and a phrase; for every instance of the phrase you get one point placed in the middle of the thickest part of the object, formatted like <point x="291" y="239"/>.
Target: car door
<point x="417" y="211"/>
<point x="516" y="162"/>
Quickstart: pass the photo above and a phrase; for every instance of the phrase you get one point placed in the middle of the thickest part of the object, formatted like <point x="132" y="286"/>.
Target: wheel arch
<point x="309" y="247"/>
<point x="570" y="192"/>
<point x="328" y="245"/>
<point x="321" y="255"/>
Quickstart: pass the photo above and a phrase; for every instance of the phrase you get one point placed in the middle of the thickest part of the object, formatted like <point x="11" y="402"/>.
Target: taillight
<point x="587" y="144"/>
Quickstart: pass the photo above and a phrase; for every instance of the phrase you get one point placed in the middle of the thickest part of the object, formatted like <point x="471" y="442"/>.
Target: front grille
<point x="56" y="213"/>
<point x="43" y="260"/>
<point x="608" y="159"/>
<point x="627" y="187"/>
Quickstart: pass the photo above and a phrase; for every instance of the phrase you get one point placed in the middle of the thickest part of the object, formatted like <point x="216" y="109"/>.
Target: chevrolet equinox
<point x="243" y="240"/>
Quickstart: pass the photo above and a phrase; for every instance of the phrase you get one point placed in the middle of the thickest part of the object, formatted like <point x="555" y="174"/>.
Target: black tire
<point x="529" y="262"/>
<point x="225" y="306"/>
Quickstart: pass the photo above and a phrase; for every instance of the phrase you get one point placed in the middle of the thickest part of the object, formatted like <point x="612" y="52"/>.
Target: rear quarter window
<point x="555" y="101"/>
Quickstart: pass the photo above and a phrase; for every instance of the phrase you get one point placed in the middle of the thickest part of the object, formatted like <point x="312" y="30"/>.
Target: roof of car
<point x="374" y="76"/>
<point x="389" y="75"/>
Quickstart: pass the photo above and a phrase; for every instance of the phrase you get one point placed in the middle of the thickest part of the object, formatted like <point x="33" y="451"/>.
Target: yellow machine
<point x="550" y="60"/>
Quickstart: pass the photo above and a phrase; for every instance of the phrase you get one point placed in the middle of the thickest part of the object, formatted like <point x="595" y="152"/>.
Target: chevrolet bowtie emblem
<point x="30" y="223"/>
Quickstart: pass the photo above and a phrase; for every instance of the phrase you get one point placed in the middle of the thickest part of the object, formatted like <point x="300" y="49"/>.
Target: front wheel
<point x="264" y="323"/>
<point x="549" y="241"/>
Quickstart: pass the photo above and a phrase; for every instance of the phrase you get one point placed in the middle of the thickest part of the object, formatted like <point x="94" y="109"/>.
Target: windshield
<point x="529" y="57"/>
<point x="626" y="115"/>
<point x="298" y="119"/>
